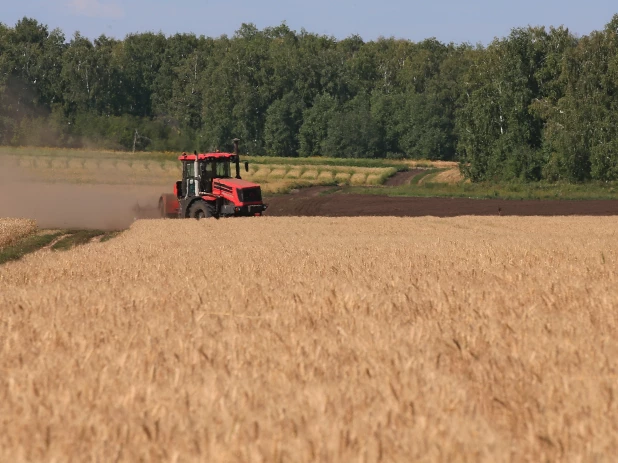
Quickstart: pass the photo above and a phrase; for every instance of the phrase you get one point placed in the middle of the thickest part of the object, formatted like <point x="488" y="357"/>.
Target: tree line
<point x="539" y="104"/>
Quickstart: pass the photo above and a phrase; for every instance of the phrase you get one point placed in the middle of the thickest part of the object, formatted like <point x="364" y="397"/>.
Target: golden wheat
<point x="304" y="339"/>
<point x="434" y="164"/>
<point x="13" y="229"/>
<point x="448" y="176"/>
<point x="359" y="178"/>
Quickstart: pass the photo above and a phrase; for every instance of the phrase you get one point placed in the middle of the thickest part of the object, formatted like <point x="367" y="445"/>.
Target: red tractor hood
<point x="237" y="183"/>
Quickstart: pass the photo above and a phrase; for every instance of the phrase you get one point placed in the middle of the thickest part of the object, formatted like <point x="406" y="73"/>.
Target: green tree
<point x="283" y="119"/>
<point x="314" y="129"/>
<point x="352" y="132"/>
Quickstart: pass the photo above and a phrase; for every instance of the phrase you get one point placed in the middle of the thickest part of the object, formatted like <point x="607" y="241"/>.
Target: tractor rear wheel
<point x="200" y="210"/>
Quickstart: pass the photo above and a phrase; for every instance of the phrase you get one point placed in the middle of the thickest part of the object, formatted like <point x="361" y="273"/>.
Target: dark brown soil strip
<point x="350" y="205"/>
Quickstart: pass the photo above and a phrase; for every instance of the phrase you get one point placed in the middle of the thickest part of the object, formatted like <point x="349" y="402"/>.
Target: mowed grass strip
<point x="77" y="238"/>
<point x="109" y="235"/>
<point x="62" y="240"/>
<point x="430" y="185"/>
<point x="27" y="245"/>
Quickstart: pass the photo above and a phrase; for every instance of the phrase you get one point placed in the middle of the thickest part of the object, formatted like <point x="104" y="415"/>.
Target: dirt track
<point x="403" y="178"/>
<point x="309" y="202"/>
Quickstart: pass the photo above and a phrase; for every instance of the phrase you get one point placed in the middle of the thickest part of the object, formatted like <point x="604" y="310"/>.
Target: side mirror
<point x="246" y="166"/>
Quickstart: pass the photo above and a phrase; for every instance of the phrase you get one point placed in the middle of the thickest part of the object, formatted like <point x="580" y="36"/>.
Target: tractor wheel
<point x="200" y="210"/>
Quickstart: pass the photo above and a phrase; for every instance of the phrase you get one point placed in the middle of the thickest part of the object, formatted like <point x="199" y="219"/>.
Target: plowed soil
<point x="310" y="202"/>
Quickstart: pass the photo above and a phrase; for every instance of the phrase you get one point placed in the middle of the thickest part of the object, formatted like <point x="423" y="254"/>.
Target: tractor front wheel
<point x="201" y="210"/>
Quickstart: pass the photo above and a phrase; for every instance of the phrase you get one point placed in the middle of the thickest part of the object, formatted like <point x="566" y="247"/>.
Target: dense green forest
<point x="538" y="104"/>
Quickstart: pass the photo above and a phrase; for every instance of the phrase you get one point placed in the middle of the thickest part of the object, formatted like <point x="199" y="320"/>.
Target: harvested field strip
<point x="373" y="179"/>
<point x="294" y="172"/>
<point x="114" y="171"/>
<point x="310" y="174"/>
<point x="484" y="339"/>
<point x="343" y="177"/>
<point x="39" y="152"/>
<point x="358" y="179"/>
<point x="329" y="162"/>
<point x="282" y="187"/>
<point x="278" y="172"/>
<point x="267" y="172"/>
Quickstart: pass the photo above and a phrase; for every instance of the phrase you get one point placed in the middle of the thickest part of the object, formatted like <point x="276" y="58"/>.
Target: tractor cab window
<point x="188" y="175"/>
<point x="223" y="169"/>
<point x="207" y="169"/>
<point x="188" y="169"/>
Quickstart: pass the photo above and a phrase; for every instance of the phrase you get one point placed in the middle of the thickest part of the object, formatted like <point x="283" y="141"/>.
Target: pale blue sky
<point x="448" y="20"/>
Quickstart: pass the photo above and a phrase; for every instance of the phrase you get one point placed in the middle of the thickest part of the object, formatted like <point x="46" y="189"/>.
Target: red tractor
<point x="207" y="189"/>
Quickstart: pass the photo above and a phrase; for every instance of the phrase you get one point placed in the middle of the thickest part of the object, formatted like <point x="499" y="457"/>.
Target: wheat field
<point x="448" y="176"/>
<point x="12" y="230"/>
<point x="316" y="339"/>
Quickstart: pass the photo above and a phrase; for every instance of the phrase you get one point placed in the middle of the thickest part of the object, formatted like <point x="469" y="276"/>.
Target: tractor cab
<point x="200" y="170"/>
<point x="208" y="189"/>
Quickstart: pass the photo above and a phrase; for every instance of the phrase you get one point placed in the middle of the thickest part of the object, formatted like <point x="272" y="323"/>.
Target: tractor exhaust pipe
<point x="236" y="140"/>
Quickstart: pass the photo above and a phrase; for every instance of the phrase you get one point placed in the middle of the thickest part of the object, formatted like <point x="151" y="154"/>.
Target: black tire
<point x="201" y="210"/>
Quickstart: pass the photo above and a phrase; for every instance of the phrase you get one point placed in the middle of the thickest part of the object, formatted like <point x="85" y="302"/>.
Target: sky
<point x="458" y="21"/>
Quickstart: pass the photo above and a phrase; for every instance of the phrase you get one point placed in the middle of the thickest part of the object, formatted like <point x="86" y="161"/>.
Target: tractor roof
<point x="204" y="156"/>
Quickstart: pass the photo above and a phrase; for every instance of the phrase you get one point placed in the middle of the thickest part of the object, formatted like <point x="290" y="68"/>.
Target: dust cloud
<point x="63" y="205"/>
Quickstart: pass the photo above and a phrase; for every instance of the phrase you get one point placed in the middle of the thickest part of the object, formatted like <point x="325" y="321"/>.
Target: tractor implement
<point x="207" y="189"/>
